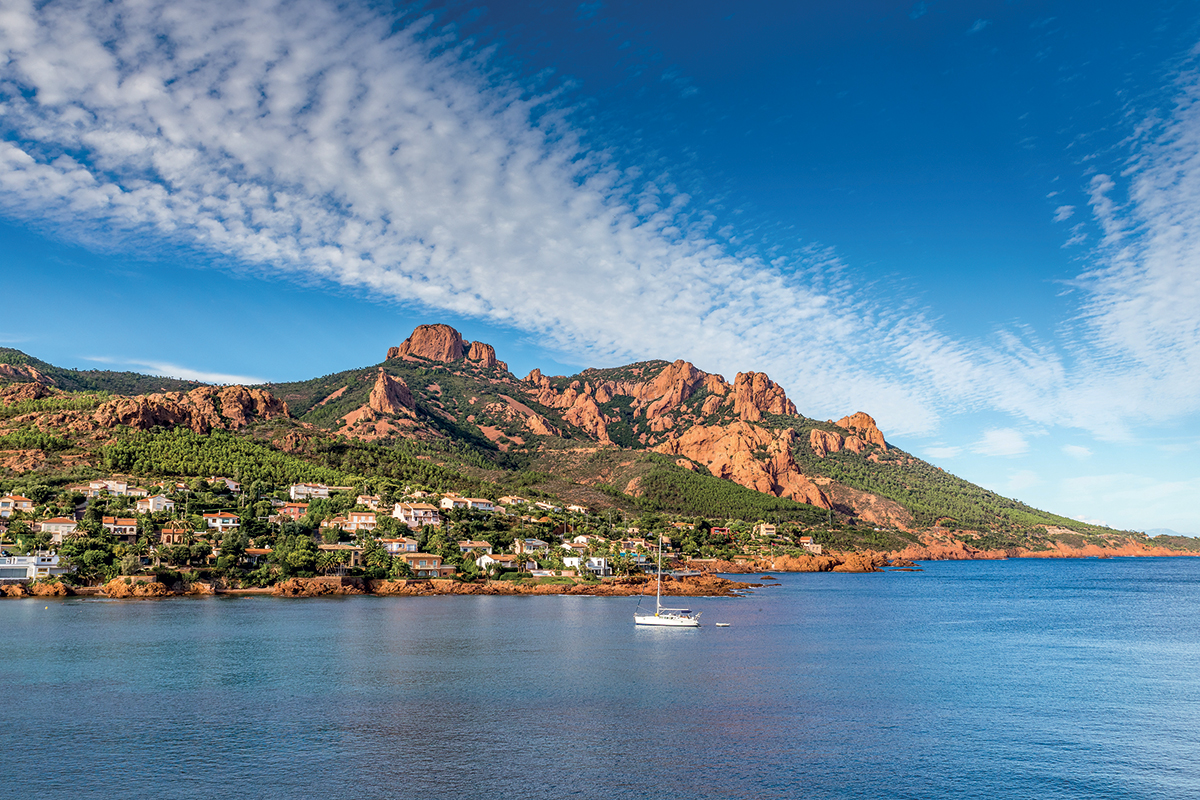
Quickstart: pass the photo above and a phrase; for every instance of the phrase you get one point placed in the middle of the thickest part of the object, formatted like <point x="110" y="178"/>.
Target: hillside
<point x="443" y="413"/>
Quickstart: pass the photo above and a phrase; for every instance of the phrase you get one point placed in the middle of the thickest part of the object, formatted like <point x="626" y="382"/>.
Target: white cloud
<point x="166" y="370"/>
<point x="1063" y="213"/>
<point x="942" y="451"/>
<point x="1077" y="451"/>
<point x="1091" y="520"/>
<point x="979" y="25"/>
<point x="313" y="140"/>
<point x="1001" y="442"/>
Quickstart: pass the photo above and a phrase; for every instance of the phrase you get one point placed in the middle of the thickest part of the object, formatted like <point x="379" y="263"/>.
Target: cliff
<point x="203" y="410"/>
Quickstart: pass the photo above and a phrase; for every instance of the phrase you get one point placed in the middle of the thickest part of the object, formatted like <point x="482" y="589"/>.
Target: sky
<point x="977" y="221"/>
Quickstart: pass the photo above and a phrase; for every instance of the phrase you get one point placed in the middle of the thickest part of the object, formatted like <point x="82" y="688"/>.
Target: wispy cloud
<point x="1063" y="213"/>
<point x="165" y="370"/>
<point x="1077" y="451"/>
<point x="942" y="451"/>
<point x="979" y="25"/>
<point x="327" y="143"/>
<point x="1001" y="442"/>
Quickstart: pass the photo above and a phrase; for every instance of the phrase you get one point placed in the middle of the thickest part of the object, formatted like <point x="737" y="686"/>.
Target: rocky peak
<point x="864" y="425"/>
<point x="434" y="342"/>
<point x="755" y="394"/>
<point x="485" y="355"/>
<point x="391" y="395"/>
<point x="23" y="373"/>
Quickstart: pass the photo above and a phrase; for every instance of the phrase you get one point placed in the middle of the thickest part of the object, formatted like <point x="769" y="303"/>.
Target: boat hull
<point x="665" y="621"/>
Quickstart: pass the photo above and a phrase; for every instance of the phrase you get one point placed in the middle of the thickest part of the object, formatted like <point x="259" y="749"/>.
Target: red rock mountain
<point x="444" y="343"/>
<point x="391" y="395"/>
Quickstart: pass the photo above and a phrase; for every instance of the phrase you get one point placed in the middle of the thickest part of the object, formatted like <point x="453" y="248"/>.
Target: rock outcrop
<point x="751" y="456"/>
<point x="445" y="344"/>
<point x="23" y="373"/>
<point x="391" y="395"/>
<point x="16" y="392"/>
<point x="825" y="442"/>
<point x="864" y="426"/>
<point x="203" y="410"/>
<point x="755" y="394"/>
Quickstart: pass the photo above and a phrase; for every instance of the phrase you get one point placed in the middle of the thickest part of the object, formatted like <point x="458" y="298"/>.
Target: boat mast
<point x="658" y="597"/>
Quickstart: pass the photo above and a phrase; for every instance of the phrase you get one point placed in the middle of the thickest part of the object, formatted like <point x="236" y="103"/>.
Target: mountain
<point x="444" y="412"/>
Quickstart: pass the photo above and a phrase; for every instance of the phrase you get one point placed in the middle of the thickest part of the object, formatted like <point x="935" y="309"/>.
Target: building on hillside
<point x="230" y="484"/>
<point x="548" y="507"/>
<point x="530" y="546"/>
<point x="14" y="502"/>
<point x="294" y="511"/>
<point x="506" y="561"/>
<point x="360" y="521"/>
<point x="414" y="515"/>
<point x="399" y="546"/>
<point x="597" y="565"/>
<point x="577" y="510"/>
<point x="353" y="554"/>
<point x="57" y="527"/>
<point x="307" y="491"/>
<point x="154" y="504"/>
<point x="575" y="548"/>
<point x="765" y="530"/>
<point x="124" y="528"/>
<point x="474" y="503"/>
<point x="808" y="544"/>
<point x="221" y="521"/>
<point x="371" y="501"/>
<point x="513" y="500"/>
<point x="475" y="547"/>
<point x="427" y="565"/>
<point x="589" y="539"/>
<point x="174" y="534"/>
<point x="32" y="567"/>
<point x="114" y="486"/>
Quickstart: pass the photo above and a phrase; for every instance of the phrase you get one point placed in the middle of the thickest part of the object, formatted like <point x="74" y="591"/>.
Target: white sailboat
<point x="666" y="617"/>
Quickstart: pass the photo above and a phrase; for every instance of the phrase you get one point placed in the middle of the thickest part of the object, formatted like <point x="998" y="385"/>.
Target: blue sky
<point x="978" y="222"/>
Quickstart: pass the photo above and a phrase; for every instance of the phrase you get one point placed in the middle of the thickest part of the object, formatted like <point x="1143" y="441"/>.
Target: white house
<point x="505" y="562"/>
<point x="304" y="491"/>
<point x="57" y="527"/>
<point x="530" y="546"/>
<point x="474" y="547"/>
<point x="398" y="546"/>
<point x="222" y="521"/>
<point x="39" y="565"/>
<point x="154" y="504"/>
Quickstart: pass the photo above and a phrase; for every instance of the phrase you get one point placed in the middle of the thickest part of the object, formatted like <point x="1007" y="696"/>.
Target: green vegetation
<point x="58" y="402"/>
<point x="73" y="380"/>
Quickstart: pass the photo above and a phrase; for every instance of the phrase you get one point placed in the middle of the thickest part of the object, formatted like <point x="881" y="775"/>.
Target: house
<point x="575" y="548"/>
<point x="589" y="539"/>
<point x="305" y="491"/>
<point x="233" y="486"/>
<point x="577" y="509"/>
<point x="427" y="565"/>
<point x="414" y="515"/>
<point x="173" y="535"/>
<point x="360" y="521"/>
<point x="597" y="565"/>
<point x="14" y="502"/>
<point x="115" y="487"/>
<point x="552" y="573"/>
<point x="547" y="506"/>
<point x="719" y="532"/>
<point x="124" y="528"/>
<point x="221" y="520"/>
<point x="764" y="529"/>
<point x="294" y="510"/>
<point x="154" y="504"/>
<point x="371" y="501"/>
<point x="506" y="562"/>
<point x="57" y="527"/>
<point x="474" y="547"/>
<point x="399" y="546"/>
<point x="513" y="500"/>
<point x="452" y="500"/>
<point x="353" y="554"/>
<point x="257" y="555"/>
<point x="808" y="544"/>
<point x="28" y="568"/>
<point x="530" y="546"/>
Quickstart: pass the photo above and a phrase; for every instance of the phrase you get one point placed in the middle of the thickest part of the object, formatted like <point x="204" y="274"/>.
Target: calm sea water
<point x="1018" y="679"/>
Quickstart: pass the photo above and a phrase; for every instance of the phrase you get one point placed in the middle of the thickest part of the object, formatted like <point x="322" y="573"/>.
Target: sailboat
<point x="666" y="617"/>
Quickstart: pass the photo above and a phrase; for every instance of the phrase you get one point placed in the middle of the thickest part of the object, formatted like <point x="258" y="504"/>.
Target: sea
<point x="974" y="679"/>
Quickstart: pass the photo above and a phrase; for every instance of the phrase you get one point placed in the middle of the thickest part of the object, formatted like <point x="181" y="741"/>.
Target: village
<point x="211" y="528"/>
